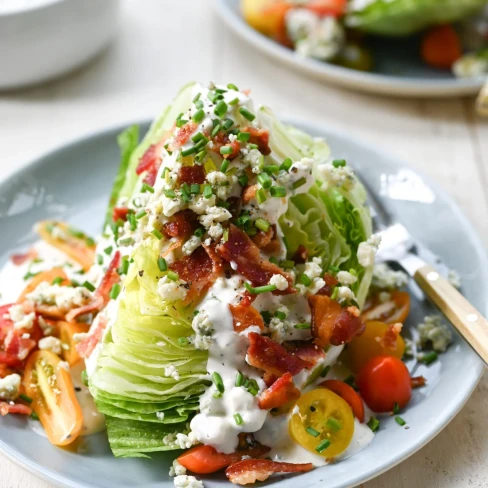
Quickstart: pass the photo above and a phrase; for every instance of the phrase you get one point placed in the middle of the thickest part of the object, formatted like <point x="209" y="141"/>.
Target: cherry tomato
<point x="335" y="8"/>
<point x="66" y="332"/>
<point x="384" y="381"/>
<point x="348" y="394"/>
<point x="323" y="424"/>
<point x="49" y="385"/>
<point x="266" y="16"/>
<point x="205" y="459"/>
<point x="441" y="47"/>
<point x="377" y="340"/>
<point x="46" y="276"/>
<point x="392" y="311"/>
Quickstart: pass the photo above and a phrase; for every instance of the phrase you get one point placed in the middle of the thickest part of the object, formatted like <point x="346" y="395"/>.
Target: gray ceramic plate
<point x="73" y="183"/>
<point x="398" y="69"/>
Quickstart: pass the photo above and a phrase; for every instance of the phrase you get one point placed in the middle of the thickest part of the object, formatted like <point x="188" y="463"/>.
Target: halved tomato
<point x="390" y="311"/>
<point x="66" y="332"/>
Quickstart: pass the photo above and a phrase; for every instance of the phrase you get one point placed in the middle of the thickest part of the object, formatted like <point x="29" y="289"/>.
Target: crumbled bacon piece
<point x="281" y="392"/>
<point x="221" y="140"/>
<point x="198" y="270"/>
<point x="305" y="350"/>
<point x="150" y="163"/>
<point x="390" y="338"/>
<point x="245" y="317"/>
<point x="246" y="299"/>
<point x="183" y="135"/>
<point x="330" y="282"/>
<point x="331" y="324"/>
<point x="6" y="408"/>
<point x="19" y="259"/>
<point x="252" y="470"/>
<point x="101" y="296"/>
<point x="417" y="381"/>
<point x="263" y="239"/>
<point x="260" y="137"/>
<point x="191" y="175"/>
<point x="89" y="343"/>
<point x="269" y="379"/>
<point x="301" y="255"/>
<point x="274" y="245"/>
<point x="245" y="254"/>
<point x="249" y="193"/>
<point x="266" y="354"/>
<point x="182" y="225"/>
<point x="120" y="213"/>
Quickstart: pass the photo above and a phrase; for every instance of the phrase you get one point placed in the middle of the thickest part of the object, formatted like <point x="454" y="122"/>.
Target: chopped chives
<point x="280" y="315"/>
<point x="197" y="97"/>
<point x="156" y="233"/>
<point x="131" y="218"/>
<point x="58" y="280"/>
<point x="234" y="101"/>
<point x="259" y="289"/>
<point x="169" y="193"/>
<point x="172" y="275"/>
<point x="199" y="115"/>
<point x="199" y="232"/>
<point x="84" y="377"/>
<point x="286" y="164"/>
<point x="265" y="180"/>
<point x="108" y="250"/>
<point x="217" y="394"/>
<point x="277" y="191"/>
<point x="339" y="163"/>
<point x="162" y="265"/>
<point x="305" y="280"/>
<point x="262" y="224"/>
<point x="400" y="421"/>
<point x="246" y="383"/>
<point x="228" y="123"/>
<point x="26" y="398"/>
<point x="199" y="157"/>
<point x="266" y="316"/>
<point x="335" y="293"/>
<point x="126" y="242"/>
<point x="140" y="214"/>
<point x="303" y="325"/>
<point x="243" y="179"/>
<point x="238" y="419"/>
<point x="396" y="408"/>
<point x="195" y="189"/>
<point x="89" y="286"/>
<point x="253" y="146"/>
<point x="271" y="169"/>
<point x="114" y="292"/>
<point x="145" y="187"/>
<point x="243" y="136"/>
<point x="220" y="109"/>
<point x="261" y="196"/>
<point x="299" y="183"/>
<point x="231" y="86"/>
<point x="333" y="424"/>
<point x="246" y="114"/>
<point x="182" y="341"/>
<point x="322" y="446"/>
<point x="253" y="391"/>
<point x="287" y="264"/>
<point x="428" y="357"/>
<point x="239" y="379"/>
<point x="220" y="90"/>
<point x="217" y="379"/>
<point x="124" y="265"/>
<point x="312" y="431"/>
<point x="207" y="191"/>
<point x="274" y="260"/>
<point x="226" y="150"/>
<point x="34" y="416"/>
<point x="99" y="261"/>
<point x="187" y="152"/>
<point x="199" y="104"/>
<point x="224" y="166"/>
<point x="199" y="137"/>
<point x="215" y="130"/>
<point x="180" y="122"/>
<point x="373" y="424"/>
<point x="350" y="380"/>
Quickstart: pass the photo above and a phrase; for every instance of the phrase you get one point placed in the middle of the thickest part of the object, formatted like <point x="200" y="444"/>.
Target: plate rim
<point x="28" y="464"/>
<point x="338" y="75"/>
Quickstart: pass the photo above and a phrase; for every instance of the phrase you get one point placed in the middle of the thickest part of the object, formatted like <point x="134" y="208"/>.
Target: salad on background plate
<point x="230" y="308"/>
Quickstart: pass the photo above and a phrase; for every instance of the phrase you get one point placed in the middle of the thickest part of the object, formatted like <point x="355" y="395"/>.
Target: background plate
<point x="73" y="183"/>
<point x="399" y="71"/>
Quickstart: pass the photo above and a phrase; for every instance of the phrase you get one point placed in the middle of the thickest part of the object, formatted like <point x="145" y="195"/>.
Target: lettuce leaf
<point x="404" y="17"/>
<point x="144" y="373"/>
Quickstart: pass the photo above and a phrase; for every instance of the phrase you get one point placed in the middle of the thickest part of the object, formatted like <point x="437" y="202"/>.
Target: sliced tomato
<point x="383" y="382"/>
<point x="205" y="459"/>
<point x="71" y="242"/>
<point x="348" y="394"/>
<point x="45" y="277"/>
<point x="391" y="311"/>
<point x="334" y="8"/>
<point x="66" y="332"/>
<point x="49" y="385"/>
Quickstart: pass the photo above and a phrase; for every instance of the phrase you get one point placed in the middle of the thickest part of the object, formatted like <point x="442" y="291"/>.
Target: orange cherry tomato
<point x="391" y="311"/>
<point x="205" y="459"/>
<point x="49" y="385"/>
<point x="66" y="332"/>
<point x="384" y="381"/>
<point x="348" y="394"/>
<point x="378" y="339"/>
<point x="45" y="276"/>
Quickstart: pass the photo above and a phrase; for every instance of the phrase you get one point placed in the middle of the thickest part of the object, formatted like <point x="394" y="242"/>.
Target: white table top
<point x="161" y="45"/>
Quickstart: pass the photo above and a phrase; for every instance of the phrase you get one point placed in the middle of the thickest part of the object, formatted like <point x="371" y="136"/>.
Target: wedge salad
<point x="231" y="306"/>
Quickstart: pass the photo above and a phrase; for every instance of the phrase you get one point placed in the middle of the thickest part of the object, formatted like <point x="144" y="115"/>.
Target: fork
<point x="398" y="246"/>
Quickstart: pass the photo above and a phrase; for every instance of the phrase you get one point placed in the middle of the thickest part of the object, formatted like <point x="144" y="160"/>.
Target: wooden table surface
<point x="164" y="43"/>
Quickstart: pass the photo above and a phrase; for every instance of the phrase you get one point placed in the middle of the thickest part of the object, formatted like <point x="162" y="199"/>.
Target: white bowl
<point x="43" y="39"/>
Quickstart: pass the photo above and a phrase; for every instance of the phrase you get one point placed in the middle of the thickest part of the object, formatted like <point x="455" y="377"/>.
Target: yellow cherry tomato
<point x="266" y="16"/>
<point x="324" y="423"/>
<point x="377" y="340"/>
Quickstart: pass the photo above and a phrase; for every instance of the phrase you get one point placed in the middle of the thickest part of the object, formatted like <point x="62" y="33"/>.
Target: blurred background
<point x="146" y="49"/>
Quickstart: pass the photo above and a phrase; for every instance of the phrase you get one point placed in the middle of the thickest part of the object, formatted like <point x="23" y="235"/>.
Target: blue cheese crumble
<point x="433" y="331"/>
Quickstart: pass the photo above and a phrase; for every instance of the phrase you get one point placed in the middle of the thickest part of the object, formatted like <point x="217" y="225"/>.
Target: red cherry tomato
<point x="335" y="8"/>
<point x="384" y="381"/>
<point x="348" y="394"/>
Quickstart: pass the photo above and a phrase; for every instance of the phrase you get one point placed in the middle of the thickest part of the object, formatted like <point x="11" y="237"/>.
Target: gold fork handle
<point x="468" y="321"/>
